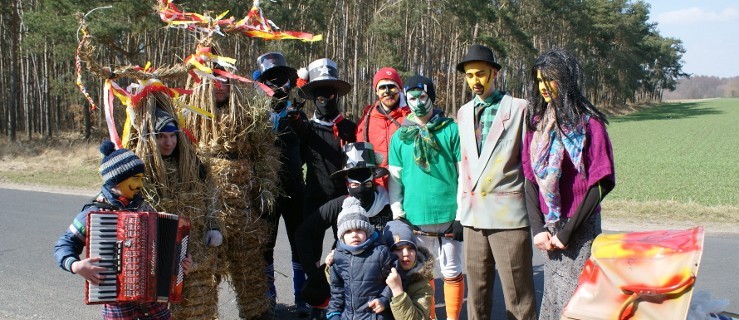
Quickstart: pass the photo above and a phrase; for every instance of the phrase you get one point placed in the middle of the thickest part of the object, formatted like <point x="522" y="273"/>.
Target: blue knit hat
<point x="165" y="122"/>
<point x="118" y="165"/>
<point x="397" y="233"/>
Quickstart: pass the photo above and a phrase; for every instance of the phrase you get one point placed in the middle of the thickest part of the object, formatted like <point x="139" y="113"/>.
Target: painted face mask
<point x="131" y="186"/>
<point x="419" y="102"/>
<point x="479" y="76"/>
<point x="547" y="88"/>
<point x="388" y="92"/>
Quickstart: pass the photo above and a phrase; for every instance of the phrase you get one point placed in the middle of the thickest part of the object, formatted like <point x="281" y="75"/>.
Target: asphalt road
<point x="32" y="286"/>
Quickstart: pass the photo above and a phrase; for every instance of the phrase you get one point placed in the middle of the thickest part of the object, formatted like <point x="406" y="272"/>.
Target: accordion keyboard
<point x="103" y="244"/>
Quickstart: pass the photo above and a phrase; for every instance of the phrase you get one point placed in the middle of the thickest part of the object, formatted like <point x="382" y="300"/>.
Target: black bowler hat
<point x="271" y="64"/>
<point x="478" y="52"/>
<point x="324" y="73"/>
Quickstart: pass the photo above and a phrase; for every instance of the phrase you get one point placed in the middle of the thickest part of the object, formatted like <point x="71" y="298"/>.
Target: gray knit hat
<point x="118" y="165"/>
<point x="353" y="216"/>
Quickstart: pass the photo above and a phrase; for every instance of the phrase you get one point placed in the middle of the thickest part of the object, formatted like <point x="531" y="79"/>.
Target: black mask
<point x="364" y="192"/>
<point x="327" y="107"/>
<point x="365" y="195"/>
<point x="280" y="85"/>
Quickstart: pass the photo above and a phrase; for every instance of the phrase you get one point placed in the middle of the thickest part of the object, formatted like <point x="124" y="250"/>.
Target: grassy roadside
<point x="675" y="167"/>
<point x="63" y="162"/>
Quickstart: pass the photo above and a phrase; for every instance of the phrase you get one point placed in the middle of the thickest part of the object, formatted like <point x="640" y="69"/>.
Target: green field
<point x="684" y="152"/>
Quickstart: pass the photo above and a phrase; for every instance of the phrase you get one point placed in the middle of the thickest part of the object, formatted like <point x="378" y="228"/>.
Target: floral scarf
<point x="548" y="146"/>
<point x="422" y="136"/>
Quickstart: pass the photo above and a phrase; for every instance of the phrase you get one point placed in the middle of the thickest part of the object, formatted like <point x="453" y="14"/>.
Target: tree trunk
<point x="46" y="94"/>
<point x="3" y="76"/>
<point x="356" y="110"/>
<point x="14" y="72"/>
<point x="86" y="111"/>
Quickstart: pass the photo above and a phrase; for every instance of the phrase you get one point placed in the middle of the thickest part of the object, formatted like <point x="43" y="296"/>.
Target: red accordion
<point x="142" y="251"/>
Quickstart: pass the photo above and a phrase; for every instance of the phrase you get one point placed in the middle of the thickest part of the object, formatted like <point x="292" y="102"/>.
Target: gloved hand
<point x="213" y="238"/>
<point x="457" y="229"/>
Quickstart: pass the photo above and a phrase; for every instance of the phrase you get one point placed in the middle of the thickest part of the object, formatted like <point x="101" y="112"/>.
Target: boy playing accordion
<point x="122" y="172"/>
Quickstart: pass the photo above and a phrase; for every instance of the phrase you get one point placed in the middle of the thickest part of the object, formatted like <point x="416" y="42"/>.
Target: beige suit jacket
<point x="490" y="193"/>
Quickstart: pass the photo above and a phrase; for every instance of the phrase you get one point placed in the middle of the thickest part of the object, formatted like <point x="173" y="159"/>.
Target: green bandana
<point x="423" y="139"/>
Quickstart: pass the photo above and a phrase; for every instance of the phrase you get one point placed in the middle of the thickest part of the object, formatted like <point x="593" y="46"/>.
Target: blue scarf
<point x="358" y="249"/>
<point x="275" y="117"/>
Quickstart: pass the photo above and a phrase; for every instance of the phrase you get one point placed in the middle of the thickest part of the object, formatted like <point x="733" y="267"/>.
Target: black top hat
<point x="478" y="52"/>
<point x="323" y="73"/>
<point x="273" y="63"/>
<point x="360" y="156"/>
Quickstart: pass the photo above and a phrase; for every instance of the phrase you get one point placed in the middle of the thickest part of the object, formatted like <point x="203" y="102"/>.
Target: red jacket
<point x="377" y="128"/>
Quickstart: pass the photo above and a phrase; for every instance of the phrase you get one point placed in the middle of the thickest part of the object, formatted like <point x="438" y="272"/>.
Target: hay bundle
<point x="179" y="184"/>
<point x="239" y="144"/>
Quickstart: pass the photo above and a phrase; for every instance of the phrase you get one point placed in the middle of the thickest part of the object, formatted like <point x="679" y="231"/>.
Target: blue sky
<point x="709" y="30"/>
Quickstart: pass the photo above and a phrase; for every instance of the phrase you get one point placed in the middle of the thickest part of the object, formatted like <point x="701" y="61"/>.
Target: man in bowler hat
<point x="490" y="194"/>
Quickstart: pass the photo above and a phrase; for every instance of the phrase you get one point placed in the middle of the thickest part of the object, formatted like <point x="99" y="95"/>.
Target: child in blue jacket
<point x="361" y="263"/>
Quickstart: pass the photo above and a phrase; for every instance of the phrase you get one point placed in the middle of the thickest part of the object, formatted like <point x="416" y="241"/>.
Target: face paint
<point x="419" y="102"/>
<point x="548" y="88"/>
<point x="479" y="76"/>
<point x="364" y="191"/>
<point x="388" y="92"/>
<point x="131" y="186"/>
<point x="166" y="142"/>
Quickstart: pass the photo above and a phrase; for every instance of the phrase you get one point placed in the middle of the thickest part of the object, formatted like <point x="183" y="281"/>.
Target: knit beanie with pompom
<point x="118" y="165"/>
<point x="353" y="216"/>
